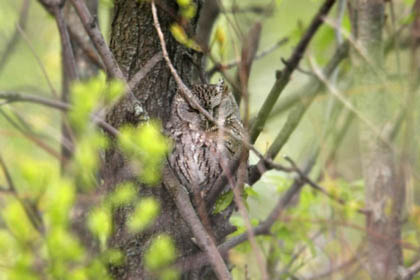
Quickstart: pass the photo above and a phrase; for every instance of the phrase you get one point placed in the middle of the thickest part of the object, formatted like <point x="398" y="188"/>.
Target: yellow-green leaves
<point x="146" y="211"/>
<point x="37" y="175"/>
<point x="62" y="246"/>
<point x="147" y="147"/>
<point x="223" y="201"/>
<point x="99" y="223"/>
<point x="86" y="96"/>
<point x="179" y="34"/>
<point x="57" y="202"/>
<point x="123" y="194"/>
<point x="18" y="222"/>
<point x="87" y="158"/>
<point x="161" y="253"/>
<point x="187" y="8"/>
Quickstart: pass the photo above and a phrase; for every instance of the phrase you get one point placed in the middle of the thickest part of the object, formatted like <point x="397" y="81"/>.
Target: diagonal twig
<point x="12" y="43"/>
<point x="29" y="209"/>
<point x="183" y="203"/>
<point x="291" y="65"/>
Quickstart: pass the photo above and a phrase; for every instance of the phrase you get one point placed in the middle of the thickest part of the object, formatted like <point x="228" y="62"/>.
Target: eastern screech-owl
<point x="200" y="147"/>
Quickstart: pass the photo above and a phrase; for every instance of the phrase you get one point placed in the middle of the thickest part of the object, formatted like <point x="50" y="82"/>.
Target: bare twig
<point x="295" y="116"/>
<point x="249" y="50"/>
<point x="87" y="49"/>
<point x="12" y="43"/>
<point x="91" y="26"/>
<point x="29" y="209"/>
<point x="231" y="64"/>
<point x="262" y="229"/>
<point x="261" y="262"/>
<point x="30" y="136"/>
<point x="69" y="74"/>
<point x="136" y="79"/>
<point x="410" y="272"/>
<point x="340" y="97"/>
<point x="11" y="97"/>
<point x="39" y="61"/>
<point x="291" y="65"/>
<point x="183" y="203"/>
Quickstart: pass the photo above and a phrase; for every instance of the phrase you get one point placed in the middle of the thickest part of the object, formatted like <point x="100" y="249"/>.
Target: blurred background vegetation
<point x="317" y="234"/>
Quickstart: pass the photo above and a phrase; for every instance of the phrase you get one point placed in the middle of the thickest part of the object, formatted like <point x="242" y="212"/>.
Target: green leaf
<point x="100" y="224"/>
<point x="23" y="268"/>
<point x="179" y="34"/>
<point x="223" y="202"/>
<point x="239" y="223"/>
<point x="37" y="175"/>
<point x="161" y="253"/>
<point x="115" y="89"/>
<point x="148" y="147"/>
<point x="57" y="203"/>
<point x="62" y="246"/>
<point x="86" y="159"/>
<point x="85" y="97"/>
<point x="183" y="3"/>
<point x="78" y="274"/>
<point x="112" y="256"/>
<point x="250" y="192"/>
<point x="97" y="270"/>
<point x="123" y="194"/>
<point x="18" y="222"/>
<point x="145" y="213"/>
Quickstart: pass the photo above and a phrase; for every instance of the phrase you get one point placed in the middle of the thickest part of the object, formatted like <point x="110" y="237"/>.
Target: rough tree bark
<point x="385" y="191"/>
<point x="134" y="42"/>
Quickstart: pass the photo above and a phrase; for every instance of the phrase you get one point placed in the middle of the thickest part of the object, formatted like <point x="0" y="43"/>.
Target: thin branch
<point x="185" y="91"/>
<point x="11" y="45"/>
<point x="29" y="135"/>
<point x="295" y="116"/>
<point x="69" y="75"/>
<point x="410" y="272"/>
<point x="233" y="63"/>
<point x="136" y="79"/>
<point x="87" y="49"/>
<point x="249" y="49"/>
<point x="383" y="136"/>
<point x="291" y="65"/>
<point x="91" y="26"/>
<point x="183" y="203"/>
<point x="262" y="229"/>
<point x="29" y="209"/>
<point x="261" y="262"/>
<point x="11" y="97"/>
<point x="38" y="59"/>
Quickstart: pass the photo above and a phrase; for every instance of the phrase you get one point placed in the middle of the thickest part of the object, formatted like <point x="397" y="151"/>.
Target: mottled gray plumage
<point x="199" y="146"/>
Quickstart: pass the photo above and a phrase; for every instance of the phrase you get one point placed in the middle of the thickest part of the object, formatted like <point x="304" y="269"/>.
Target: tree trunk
<point x="384" y="184"/>
<point x="134" y="42"/>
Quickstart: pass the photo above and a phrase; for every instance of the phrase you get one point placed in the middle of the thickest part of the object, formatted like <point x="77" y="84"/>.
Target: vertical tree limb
<point x="385" y="190"/>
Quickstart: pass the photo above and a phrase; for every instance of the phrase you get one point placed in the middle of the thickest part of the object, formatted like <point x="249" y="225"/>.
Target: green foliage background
<point x="320" y="229"/>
